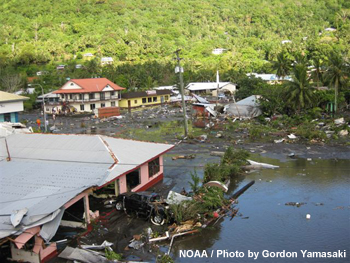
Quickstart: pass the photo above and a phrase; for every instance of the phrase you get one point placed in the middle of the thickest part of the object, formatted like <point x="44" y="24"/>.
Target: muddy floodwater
<point x="319" y="182"/>
<point x="268" y="225"/>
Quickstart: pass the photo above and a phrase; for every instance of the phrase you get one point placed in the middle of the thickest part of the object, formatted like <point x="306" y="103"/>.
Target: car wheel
<point x="157" y="219"/>
<point x="119" y="206"/>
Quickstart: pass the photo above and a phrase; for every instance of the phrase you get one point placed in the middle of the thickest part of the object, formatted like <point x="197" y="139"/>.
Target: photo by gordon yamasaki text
<point x="265" y="254"/>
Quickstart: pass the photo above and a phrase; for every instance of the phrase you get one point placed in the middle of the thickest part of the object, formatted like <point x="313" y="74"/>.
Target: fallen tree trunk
<point x="242" y="190"/>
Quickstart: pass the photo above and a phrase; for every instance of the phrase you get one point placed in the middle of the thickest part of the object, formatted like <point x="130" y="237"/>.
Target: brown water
<point x="275" y="227"/>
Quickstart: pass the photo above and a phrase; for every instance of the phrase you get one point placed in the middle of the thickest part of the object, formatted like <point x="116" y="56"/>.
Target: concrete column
<point x="116" y="187"/>
<point x="87" y="209"/>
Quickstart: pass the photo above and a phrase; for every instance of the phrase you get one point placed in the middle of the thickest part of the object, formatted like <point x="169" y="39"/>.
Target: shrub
<point x="195" y="182"/>
<point x="111" y="255"/>
<point x="229" y="166"/>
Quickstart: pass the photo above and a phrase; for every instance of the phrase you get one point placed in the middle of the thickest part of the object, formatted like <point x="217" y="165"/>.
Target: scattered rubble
<point x="176" y="198"/>
<point x="257" y="165"/>
<point x="190" y="156"/>
<point x="292" y="136"/>
<point x="343" y="133"/>
<point x="82" y="255"/>
<point x="297" y="204"/>
<point x="218" y="184"/>
<point x="339" y="121"/>
<point x="104" y="245"/>
<point x="279" y="141"/>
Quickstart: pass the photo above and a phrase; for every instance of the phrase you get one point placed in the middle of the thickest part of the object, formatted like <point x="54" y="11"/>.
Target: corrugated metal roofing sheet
<point x="206" y="85"/>
<point x="128" y="157"/>
<point x="46" y="171"/>
<point x="72" y="148"/>
<point x="8" y="97"/>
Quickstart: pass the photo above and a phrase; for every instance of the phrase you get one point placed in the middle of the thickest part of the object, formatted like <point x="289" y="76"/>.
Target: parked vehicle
<point x="145" y="204"/>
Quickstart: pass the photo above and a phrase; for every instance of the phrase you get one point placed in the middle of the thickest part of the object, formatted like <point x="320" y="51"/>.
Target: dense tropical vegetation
<point x="307" y="38"/>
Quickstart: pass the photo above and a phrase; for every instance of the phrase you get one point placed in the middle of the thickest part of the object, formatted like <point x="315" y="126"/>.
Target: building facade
<point x="211" y="88"/>
<point x="10" y="106"/>
<point x="144" y="98"/>
<point x="88" y="95"/>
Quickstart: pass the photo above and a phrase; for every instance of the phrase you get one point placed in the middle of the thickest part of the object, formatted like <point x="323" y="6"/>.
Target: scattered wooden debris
<point x="257" y="165"/>
<point x="190" y="156"/>
<point x="297" y="204"/>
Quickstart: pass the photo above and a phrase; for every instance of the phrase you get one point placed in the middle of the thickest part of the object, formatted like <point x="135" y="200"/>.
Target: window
<point x="149" y="99"/>
<point x="103" y="105"/>
<point x="112" y="103"/>
<point x="81" y="97"/>
<point x="92" y="106"/>
<point x="144" y="100"/>
<point x="7" y="117"/>
<point x="135" y="197"/>
<point x="70" y="96"/>
<point x="135" y="101"/>
<point x="166" y="97"/>
<point x="154" y="99"/>
<point x="112" y="93"/>
<point x="102" y="95"/>
<point x="153" y="167"/>
<point x="92" y="96"/>
<point x="82" y="107"/>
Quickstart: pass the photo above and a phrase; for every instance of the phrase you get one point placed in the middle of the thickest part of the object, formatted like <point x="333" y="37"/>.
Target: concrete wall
<point x="48" y="108"/>
<point x="146" y="181"/>
<point x="7" y="107"/>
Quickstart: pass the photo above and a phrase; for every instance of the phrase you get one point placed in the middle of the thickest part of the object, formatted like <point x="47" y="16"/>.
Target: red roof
<point x="89" y="85"/>
<point x="31" y="79"/>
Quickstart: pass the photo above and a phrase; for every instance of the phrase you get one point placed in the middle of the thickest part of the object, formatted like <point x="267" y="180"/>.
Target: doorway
<point x="132" y="180"/>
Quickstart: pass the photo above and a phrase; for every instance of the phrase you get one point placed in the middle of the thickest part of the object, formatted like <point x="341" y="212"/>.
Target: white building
<point x="269" y="78"/>
<point x="106" y="61"/>
<point x="86" y="95"/>
<point x="210" y="87"/>
<point x="218" y="51"/>
<point x="10" y="105"/>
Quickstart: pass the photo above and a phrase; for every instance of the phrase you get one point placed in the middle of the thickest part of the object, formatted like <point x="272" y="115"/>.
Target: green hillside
<point x="41" y="34"/>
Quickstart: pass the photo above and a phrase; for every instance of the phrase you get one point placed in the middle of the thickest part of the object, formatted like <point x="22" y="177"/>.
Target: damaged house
<point x="246" y="108"/>
<point x="210" y="88"/>
<point x="43" y="175"/>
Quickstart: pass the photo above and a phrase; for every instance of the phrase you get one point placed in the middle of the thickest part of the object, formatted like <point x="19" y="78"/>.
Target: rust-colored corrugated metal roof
<point x="90" y="85"/>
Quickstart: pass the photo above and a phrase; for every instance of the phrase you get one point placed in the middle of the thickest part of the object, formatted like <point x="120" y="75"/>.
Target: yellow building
<point x="144" y="98"/>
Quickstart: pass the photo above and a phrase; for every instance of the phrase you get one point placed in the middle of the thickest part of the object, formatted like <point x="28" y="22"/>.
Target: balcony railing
<point x="90" y="100"/>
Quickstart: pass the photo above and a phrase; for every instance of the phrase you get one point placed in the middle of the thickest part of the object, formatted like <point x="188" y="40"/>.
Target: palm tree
<point x="316" y="74"/>
<point x="282" y="65"/>
<point x="336" y="73"/>
<point x="299" y="93"/>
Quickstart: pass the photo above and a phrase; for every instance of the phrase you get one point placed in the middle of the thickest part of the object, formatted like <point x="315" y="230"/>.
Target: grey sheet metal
<point x="49" y="229"/>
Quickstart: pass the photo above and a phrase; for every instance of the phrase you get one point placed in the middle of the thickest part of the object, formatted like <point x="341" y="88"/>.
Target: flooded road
<point x="323" y="185"/>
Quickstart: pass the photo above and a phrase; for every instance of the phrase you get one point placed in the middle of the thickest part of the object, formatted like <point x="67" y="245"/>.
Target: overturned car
<point x="145" y="204"/>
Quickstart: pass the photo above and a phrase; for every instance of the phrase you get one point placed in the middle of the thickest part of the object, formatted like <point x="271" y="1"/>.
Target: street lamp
<point x="43" y="102"/>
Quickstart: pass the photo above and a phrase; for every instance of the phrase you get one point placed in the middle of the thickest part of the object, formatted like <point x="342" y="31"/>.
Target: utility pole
<point x="182" y="90"/>
<point x="217" y="88"/>
<point x="43" y="102"/>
